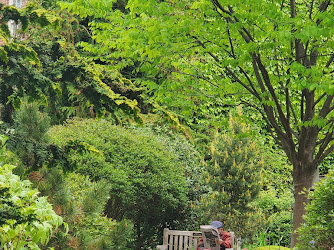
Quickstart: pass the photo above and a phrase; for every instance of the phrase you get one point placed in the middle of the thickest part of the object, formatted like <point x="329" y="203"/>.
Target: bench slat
<point x="171" y="241"/>
<point x="180" y="242"/>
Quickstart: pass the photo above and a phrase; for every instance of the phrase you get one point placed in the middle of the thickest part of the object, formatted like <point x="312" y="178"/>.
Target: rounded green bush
<point x="148" y="182"/>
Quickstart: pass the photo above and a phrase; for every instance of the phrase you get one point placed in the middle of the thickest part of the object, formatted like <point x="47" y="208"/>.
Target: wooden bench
<point x="177" y="240"/>
<point x="186" y="240"/>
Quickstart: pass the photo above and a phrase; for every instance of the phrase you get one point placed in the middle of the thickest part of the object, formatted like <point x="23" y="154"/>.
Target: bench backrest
<point x="180" y="240"/>
<point x="183" y="240"/>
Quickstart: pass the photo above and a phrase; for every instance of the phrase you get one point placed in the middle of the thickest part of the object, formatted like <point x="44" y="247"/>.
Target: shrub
<point x="148" y="184"/>
<point x="26" y="219"/>
<point x="81" y="202"/>
<point x="276" y="208"/>
<point x="234" y="176"/>
<point x="29" y="140"/>
<point x="318" y="230"/>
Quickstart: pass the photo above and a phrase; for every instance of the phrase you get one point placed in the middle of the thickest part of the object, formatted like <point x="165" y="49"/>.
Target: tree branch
<point x="265" y="118"/>
<point x="268" y="84"/>
<point x="326" y="107"/>
<point x="250" y="82"/>
<point x="220" y="7"/>
<point x="325" y="142"/>
<point x="230" y="41"/>
<point x="311" y="10"/>
<point x="204" y="47"/>
<point x="319" y="99"/>
<point x="330" y="61"/>
<point x="235" y="77"/>
<point x="293" y="12"/>
<point x="324" y="154"/>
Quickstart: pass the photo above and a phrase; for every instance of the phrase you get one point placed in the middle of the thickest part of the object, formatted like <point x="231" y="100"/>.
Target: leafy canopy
<point x="191" y="50"/>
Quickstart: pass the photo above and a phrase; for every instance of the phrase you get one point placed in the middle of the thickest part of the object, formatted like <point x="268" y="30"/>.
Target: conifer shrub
<point x="29" y="139"/>
<point x="27" y="220"/>
<point x="80" y="201"/>
<point x="234" y="176"/>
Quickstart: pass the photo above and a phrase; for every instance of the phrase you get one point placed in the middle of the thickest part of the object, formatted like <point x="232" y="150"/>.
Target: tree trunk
<point x="140" y="241"/>
<point x="304" y="177"/>
<point x="7" y="108"/>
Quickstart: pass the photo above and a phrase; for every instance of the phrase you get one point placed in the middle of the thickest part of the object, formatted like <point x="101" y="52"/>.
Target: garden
<point x="119" y="118"/>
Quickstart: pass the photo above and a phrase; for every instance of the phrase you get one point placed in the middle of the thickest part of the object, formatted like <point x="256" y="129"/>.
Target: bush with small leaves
<point x="318" y="230"/>
<point x="147" y="178"/>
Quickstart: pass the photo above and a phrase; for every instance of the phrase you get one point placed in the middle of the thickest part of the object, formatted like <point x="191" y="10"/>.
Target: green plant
<point x="274" y="56"/>
<point x="147" y="178"/>
<point x="318" y="230"/>
<point x="26" y="219"/>
<point x="81" y="203"/>
<point x="19" y="63"/>
<point x="28" y="139"/>
<point x="234" y="175"/>
<point x="276" y="210"/>
<point x="326" y="164"/>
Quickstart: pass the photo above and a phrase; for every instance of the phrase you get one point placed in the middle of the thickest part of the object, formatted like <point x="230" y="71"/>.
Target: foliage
<point x="28" y="139"/>
<point x="271" y="248"/>
<point x="275" y="200"/>
<point x="276" y="210"/>
<point x="235" y="178"/>
<point x="318" y="230"/>
<point x="326" y="164"/>
<point x="82" y="84"/>
<point x="81" y="204"/>
<point x="264" y="243"/>
<point x="47" y="68"/>
<point x="273" y="56"/>
<point x="20" y="67"/>
<point x="27" y="220"/>
<point x="87" y="89"/>
<point x="193" y="167"/>
<point x="148" y="183"/>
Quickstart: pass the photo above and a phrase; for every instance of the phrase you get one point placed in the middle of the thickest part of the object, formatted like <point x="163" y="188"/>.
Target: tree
<point x="274" y="56"/>
<point x="46" y="67"/>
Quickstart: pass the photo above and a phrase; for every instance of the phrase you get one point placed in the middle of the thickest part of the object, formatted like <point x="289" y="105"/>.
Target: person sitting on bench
<point x="224" y="237"/>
